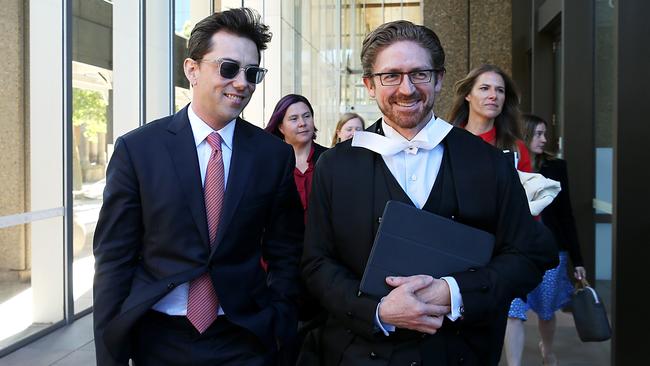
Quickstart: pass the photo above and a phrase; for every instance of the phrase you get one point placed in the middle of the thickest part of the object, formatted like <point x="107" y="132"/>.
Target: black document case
<point x="411" y="241"/>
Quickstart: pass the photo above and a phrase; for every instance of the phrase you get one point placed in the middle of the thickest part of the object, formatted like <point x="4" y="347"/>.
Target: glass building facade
<point x="77" y="74"/>
<point x="80" y="73"/>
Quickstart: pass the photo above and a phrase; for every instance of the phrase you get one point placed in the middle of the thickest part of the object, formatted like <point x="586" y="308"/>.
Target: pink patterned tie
<point x="202" y="302"/>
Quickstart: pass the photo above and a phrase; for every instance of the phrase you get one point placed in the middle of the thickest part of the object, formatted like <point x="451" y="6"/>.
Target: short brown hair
<point x="243" y="22"/>
<point x="401" y="30"/>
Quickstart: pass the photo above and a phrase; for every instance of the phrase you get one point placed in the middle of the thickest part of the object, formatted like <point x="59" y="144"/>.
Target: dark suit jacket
<point x="318" y="150"/>
<point x="345" y="205"/>
<point x="152" y="232"/>
<point x="558" y="216"/>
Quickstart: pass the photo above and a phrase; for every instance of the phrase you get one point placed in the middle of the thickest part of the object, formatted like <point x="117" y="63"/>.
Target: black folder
<point x="411" y="241"/>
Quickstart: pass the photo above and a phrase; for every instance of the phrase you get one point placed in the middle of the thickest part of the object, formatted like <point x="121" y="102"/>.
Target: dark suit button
<point x="372" y="355"/>
<point x="348" y="330"/>
<point x="349" y="314"/>
<point x="461" y="310"/>
<point x="171" y="285"/>
<point x="472" y="269"/>
<point x="461" y="360"/>
<point x="457" y="332"/>
<point x="139" y="257"/>
<point x="415" y="363"/>
<point x="484" y="288"/>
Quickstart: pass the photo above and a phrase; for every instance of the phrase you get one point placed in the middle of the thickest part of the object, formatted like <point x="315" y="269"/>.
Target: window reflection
<point x="186" y="14"/>
<point x="358" y="19"/>
<point x="92" y="121"/>
<point x="316" y="41"/>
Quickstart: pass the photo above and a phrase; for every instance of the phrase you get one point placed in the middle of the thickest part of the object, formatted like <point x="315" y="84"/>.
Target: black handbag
<point x="589" y="314"/>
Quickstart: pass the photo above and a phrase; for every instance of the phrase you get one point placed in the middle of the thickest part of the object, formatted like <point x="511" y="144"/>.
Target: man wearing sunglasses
<point x="192" y="202"/>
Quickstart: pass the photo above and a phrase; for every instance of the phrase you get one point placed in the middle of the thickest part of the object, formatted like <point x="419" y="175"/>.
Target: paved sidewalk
<point x="73" y="346"/>
<point x="570" y="351"/>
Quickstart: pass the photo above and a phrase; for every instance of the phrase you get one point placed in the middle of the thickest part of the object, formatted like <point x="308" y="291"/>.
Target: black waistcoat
<point x="442" y="201"/>
<point x="442" y="198"/>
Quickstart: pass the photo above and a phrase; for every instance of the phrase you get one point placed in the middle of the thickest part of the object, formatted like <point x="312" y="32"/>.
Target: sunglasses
<point x="229" y="70"/>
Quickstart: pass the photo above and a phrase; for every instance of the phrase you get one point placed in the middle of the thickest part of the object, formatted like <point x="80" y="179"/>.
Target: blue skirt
<point x="552" y="294"/>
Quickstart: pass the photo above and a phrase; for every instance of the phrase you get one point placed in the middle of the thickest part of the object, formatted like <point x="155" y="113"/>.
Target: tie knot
<point x="214" y="139"/>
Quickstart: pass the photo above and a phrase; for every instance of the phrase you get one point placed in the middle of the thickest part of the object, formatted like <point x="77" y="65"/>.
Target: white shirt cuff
<point x="456" y="299"/>
<point x="384" y="327"/>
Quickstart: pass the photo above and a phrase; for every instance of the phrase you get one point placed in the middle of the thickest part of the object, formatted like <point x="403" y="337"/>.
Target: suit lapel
<point x="364" y="192"/>
<point x="241" y="165"/>
<point x="182" y="150"/>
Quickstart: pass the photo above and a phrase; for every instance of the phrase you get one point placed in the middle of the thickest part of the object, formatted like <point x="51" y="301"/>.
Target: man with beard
<point x="412" y="156"/>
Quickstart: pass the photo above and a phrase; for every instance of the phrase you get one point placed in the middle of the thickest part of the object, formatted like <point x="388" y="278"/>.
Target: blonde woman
<point x="348" y="124"/>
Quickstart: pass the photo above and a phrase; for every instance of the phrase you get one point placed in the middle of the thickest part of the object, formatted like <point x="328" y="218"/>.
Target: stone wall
<point x="13" y="132"/>
<point x="472" y="32"/>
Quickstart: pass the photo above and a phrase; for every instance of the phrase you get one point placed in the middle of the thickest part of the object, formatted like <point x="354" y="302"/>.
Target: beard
<point x="407" y="119"/>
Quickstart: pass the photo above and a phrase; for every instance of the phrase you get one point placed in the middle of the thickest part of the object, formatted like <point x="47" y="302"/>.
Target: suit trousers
<point x="161" y="339"/>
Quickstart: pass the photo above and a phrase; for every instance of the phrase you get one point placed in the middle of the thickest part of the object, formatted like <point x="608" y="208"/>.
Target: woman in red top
<point x="293" y="121"/>
<point x="487" y="105"/>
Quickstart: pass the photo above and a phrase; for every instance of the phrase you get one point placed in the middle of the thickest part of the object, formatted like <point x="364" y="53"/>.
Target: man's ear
<point x="370" y="86"/>
<point x="191" y="69"/>
<point x="437" y="87"/>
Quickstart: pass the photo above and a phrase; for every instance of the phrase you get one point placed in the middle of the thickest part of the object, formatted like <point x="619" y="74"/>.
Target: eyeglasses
<point x="229" y="70"/>
<point x="395" y="78"/>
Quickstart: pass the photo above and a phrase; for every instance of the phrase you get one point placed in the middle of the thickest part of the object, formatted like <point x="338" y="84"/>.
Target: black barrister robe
<point x="477" y="186"/>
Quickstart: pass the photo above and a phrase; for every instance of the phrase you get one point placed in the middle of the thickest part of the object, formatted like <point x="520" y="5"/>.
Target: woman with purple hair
<point x="293" y="122"/>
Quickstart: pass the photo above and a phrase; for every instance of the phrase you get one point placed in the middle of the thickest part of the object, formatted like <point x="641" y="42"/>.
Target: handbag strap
<point x="584" y="285"/>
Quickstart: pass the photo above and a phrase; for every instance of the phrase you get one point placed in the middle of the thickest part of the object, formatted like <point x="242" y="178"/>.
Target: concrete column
<point x="12" y="135"/>
<point x="46" y="156"/>
<point x="472" y="32"/>
<point x="449" y="19"/>
<point x="490" y="30"/>
<point x="158" y="61"/>
<point x="126" y="73"/>
<point x="630" y="227"/>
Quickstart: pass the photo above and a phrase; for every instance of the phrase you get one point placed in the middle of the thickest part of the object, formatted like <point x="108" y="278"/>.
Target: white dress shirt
<point x="415" y="165"/>
<point x="175" y="302"/>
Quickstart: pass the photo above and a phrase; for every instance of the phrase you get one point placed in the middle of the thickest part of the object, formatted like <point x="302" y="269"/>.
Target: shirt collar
<point x="201" y="130"/>
<point x="392" y="143"/>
